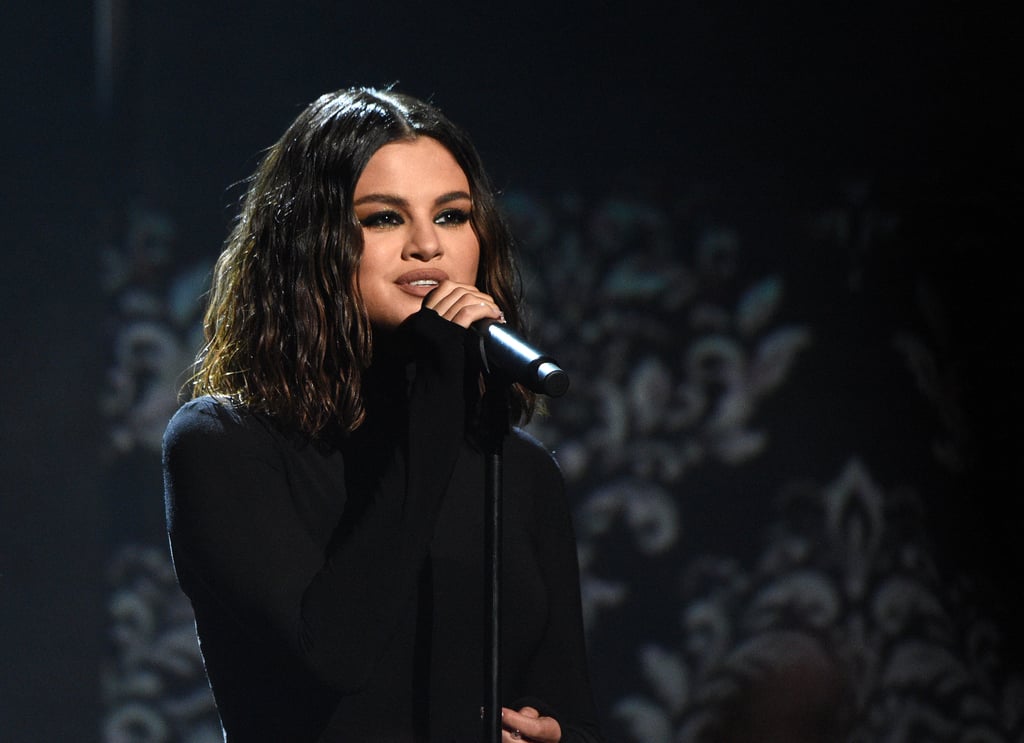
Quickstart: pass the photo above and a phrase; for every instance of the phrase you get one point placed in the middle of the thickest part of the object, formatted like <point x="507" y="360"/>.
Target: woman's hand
<point x="528" y="725"/>
<point x="462" y="304"/>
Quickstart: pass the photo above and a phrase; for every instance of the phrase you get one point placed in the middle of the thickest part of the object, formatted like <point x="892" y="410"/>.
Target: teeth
<point x="423" y="282"/>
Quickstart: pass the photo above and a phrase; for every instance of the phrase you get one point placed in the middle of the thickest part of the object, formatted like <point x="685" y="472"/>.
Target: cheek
<point x="371" y="260"/>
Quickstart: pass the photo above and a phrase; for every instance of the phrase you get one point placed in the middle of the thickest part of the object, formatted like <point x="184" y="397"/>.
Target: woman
<point x="324" y="486"/>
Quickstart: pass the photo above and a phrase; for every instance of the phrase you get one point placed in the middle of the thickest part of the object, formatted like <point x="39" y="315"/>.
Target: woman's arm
<point x="558" y="679"/>
<point x="234" y="528"/>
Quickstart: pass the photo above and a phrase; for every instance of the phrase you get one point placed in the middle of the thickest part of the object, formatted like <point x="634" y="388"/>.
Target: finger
<point x="462" y="300"/>
<point x="522" y="716"/>
<point x="530" y="726"/>
<point x="462" y="305"/>
<point x="448" y="293"/>
<point x="467" y="314"/>
<point x="510" y="731"/>
<point x="515" y="735"/>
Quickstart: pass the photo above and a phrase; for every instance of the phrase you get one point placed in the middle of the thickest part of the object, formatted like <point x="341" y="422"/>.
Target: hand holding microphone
<point x="522" y="363"/>
<point x="501" y="350"/>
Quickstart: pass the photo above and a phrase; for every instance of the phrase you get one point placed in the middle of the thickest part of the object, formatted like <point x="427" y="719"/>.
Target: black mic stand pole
<point x="494" y="429"/>
<point x="543" y="376"/>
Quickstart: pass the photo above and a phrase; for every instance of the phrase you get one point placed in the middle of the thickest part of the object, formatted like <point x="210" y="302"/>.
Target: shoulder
<point x="206" y="416"/>
<point x="538" y="485"/>
<point x="213" y="425"/>
<point x="527" y="453"/>
<point x="527" y="445"/>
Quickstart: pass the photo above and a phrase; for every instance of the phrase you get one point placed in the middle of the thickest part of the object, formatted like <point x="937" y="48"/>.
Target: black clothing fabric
<point x="338" y="583"/>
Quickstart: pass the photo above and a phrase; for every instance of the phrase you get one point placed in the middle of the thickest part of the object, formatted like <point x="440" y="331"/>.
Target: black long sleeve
<point x="233" y="525"/>
<point x="322" y="573"/>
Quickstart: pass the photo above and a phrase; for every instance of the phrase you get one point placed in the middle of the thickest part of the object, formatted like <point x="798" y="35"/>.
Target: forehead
<point x="412" y="166"/>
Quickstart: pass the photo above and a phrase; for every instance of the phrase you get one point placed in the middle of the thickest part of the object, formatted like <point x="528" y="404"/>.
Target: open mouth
<point x="421" y="282"/>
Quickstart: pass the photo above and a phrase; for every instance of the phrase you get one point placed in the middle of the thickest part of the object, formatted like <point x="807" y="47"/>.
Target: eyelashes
<point x="381" y="219"/>
<point x="388" y="218"/>
<point x="452" y="216"/>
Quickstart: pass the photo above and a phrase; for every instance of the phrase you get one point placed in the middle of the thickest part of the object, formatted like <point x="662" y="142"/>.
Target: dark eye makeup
<point x="385" y="218"/>
<point x="452" y="217"/>
<point x="391" y="218"/>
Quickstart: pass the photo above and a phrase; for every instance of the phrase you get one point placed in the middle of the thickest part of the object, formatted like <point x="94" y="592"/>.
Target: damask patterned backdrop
<point x="753" y="473"/>
<point x="781" y="284"/>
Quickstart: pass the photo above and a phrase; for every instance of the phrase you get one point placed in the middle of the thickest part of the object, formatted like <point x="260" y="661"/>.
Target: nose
<point x="424" y="241"/>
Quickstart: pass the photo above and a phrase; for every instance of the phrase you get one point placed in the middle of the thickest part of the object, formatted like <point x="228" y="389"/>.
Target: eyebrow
<point x="385" y="198"/>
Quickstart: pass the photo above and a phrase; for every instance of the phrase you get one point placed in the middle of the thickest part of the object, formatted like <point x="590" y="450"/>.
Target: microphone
<point x="501" y="348"/>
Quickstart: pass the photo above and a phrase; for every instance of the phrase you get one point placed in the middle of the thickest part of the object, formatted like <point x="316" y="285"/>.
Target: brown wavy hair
<point x="286" y="329"/>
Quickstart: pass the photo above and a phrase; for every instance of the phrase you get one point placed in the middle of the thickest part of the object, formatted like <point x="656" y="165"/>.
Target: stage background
<point x="774" y="247"/>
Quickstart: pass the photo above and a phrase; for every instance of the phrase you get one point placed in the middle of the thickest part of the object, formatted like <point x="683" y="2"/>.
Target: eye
<point x="452" y="217"/>
<point x="381" y="219"/>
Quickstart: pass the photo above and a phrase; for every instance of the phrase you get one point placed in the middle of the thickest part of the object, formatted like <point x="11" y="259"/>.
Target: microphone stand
<point x="495" y="426"/>
<point x="542" y="375"/>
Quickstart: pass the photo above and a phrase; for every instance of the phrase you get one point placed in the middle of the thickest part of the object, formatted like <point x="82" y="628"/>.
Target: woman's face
<point x="413" y="203"/>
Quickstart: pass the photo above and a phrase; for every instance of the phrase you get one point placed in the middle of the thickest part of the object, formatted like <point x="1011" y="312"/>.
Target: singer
<point x="324" y="484"/>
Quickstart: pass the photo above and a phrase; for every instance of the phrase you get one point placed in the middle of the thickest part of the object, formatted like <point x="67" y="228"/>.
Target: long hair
<point x="286" y="329"/>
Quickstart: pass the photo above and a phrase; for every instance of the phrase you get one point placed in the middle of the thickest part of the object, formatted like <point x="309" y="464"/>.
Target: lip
<point x="406" y="281"/>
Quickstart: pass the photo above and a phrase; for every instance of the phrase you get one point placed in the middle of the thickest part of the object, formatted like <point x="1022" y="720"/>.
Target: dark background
<point x="779" y="108"/>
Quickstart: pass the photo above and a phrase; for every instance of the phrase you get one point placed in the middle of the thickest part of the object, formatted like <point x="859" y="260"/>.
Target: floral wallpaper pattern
<point x="732" y="584"/>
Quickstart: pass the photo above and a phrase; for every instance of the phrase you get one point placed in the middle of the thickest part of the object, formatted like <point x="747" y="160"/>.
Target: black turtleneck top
<point x="338" y="583"/>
